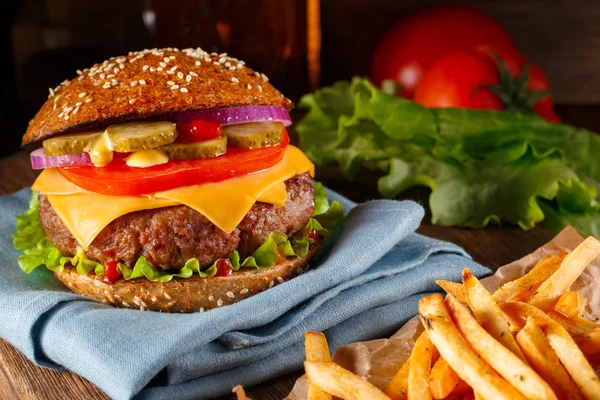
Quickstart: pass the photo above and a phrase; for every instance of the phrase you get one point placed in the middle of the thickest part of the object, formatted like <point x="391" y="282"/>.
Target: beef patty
<point x="170" y="236"/>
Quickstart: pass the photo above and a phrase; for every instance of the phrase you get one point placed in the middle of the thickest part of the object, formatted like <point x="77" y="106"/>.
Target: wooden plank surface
<point x="20" y="379"/>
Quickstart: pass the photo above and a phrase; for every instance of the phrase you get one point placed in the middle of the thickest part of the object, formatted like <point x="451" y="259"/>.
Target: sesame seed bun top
<point x="148" y="83"/>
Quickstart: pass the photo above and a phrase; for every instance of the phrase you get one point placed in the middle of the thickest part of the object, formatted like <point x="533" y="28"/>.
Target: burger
<point x="168" y="183"/>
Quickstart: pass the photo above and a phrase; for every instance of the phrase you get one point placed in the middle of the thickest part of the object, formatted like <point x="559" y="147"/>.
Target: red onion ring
<point x="235" y="115"/>
<point x="39" y="159"/>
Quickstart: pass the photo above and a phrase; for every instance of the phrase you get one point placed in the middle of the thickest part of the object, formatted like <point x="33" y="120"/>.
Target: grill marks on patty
<point x="170" y="236"/>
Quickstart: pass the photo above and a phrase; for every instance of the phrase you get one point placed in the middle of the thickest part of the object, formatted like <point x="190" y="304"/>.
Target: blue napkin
<point x="364" y="284"/>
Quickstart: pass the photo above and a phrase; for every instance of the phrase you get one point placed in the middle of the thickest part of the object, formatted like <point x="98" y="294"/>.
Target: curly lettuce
<point x="30" y="238"/>
<point x="481" y="166"/>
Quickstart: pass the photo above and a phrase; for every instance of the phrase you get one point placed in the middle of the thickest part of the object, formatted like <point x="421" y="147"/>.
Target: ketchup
<point x="111" y="272"/>
<point x="224" y="267"/>
<point x="314" y="235"/>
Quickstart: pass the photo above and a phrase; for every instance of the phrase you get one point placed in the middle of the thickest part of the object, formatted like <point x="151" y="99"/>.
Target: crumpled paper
<point x="379" y="360"/>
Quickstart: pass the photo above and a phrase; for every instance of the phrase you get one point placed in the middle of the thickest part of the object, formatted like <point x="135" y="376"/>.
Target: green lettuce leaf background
<point x="481" y="166"/>
<point x="37" y="249"/>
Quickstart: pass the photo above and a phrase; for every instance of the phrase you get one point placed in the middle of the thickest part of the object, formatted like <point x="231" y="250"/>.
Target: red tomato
<point x="453" y="80"/>
<point x="417" y="41"/>
<point x="198" y="130"/>
<point x="119" y="179"/>
<point x="537" y="79"/>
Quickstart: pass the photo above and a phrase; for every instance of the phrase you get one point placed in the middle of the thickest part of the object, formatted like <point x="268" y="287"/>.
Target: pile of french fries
<point x="527" y="340"/>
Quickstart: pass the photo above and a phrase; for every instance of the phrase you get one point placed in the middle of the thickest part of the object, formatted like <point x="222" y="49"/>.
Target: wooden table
<point x="21" y="379"/>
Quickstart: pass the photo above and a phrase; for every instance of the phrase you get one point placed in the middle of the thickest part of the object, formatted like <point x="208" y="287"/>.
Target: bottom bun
<point x="185" y="295"/>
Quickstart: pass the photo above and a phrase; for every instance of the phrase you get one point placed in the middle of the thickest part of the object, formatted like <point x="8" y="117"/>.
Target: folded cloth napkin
<point x="365" y="284"/>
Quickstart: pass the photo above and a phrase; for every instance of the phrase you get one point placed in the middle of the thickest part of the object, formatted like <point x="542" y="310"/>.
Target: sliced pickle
<point x="193" y="151"/>
<point x="138" y="136"/>
<point x="73" y="143"/>
<point x="254" y="135"/>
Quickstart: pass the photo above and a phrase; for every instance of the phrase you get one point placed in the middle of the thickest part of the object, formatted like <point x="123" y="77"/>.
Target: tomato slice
<point x="198" y="130"/>
<point x="118" y="179"/>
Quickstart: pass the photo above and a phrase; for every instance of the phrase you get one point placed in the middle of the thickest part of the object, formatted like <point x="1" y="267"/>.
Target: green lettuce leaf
<point x="482" y="166"/>
<point x="30" y="238"/>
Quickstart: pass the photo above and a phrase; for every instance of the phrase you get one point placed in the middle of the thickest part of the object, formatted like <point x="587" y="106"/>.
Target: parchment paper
<point x="378" y="360"/>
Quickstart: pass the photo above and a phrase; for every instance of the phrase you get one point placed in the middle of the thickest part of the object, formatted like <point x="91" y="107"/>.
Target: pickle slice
<point x="254" y="135"/>
<point x="138" y="136"/>
<point x="73" y="143"/>
<point x="193" y="151"/>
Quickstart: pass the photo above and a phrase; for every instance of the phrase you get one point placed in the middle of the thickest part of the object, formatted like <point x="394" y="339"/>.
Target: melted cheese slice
<point x="224" y="203"/>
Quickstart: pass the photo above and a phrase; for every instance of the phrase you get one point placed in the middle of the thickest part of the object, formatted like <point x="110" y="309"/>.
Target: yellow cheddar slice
<point x="224" y="203"/>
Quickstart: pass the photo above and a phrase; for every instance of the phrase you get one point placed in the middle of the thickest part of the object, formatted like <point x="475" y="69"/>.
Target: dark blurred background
<point x="299" y="44"/>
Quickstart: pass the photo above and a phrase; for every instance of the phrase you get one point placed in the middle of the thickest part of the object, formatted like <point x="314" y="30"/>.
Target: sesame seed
<point x="142" y="308"/>
<point x="106" y="85"/>
<point x="143" y="303"/>
<point x="249" y="86"/>
<point x="201" y="309"/>
<point x="171" y="72"/>
<point x="184" y="90"/>
<point x="110" y="76"/>
<point x="77" y="104"/>
<point x="213" y="54"/>
<point x="60" y="114"/>
<point x="136" y="300"/>
<point x="243" y="291"/>
<point x="264" y="77"/>
<point x="145" y="68"/>
<point x="142" y="81"/>
<point x="235" y="80"/>
<point x="167" y="59"/>
<point x="239" y="66"/>
<point x="174" y="87"/>
<point x="228" y="64"/>
<point x="167" y="296"/>
<point x="82" y="94"/>
<point x="180" y="75"/>
<point x="102" y="75"/>
<point x="211" y="298"/>
<point x="170" y="83"/>
<point x="208" y="59"/>
<point x="271" y="284"/>
<point x="230" y="295"/>
<point x="152" y="69"/>
<point x="216" y="63"/>
<point x="223" y="55"/>
<point x="125" y="304"/>
<point x="79" y="72"/>
<point x="259" y="88"/>
<point x="173" y="57"/>
<point x="220" y="302"/>
<point x="131" y="101"/>
<point x="51" y="91"/>
<point x="114" y="82"/>
<point x="257" y="74"/>
<point x="134" y="83"/>
<point x="222" y="60"/>
<point x="192" y="73"/>
<point x="89" y="100"/>
<point x="197" y="63"/>
<point x="153" y="298"/>
<point x="162" y="64"/>
<point x="116" y="70"/>
<point x="54" y="108"/>
<point x="188" y="78"/>
<point x="159" y="69"/>
<point x="66" y="117"/>
<point x="279" y="279"/>
<point x="173" y="69"/>
<point x="232" y="68"/>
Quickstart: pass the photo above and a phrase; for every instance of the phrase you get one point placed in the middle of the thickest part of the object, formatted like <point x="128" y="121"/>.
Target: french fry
<point x="542" y="358"/>
<point x="397" y="389"/>
<point x="340" y="382"/>
<point x="469" y="396"/>
<point x="453" y="288"/>
<point x="584" y="332"/>
<point x="317" y="349"/>
<point x="459" y="355"/>
<point x="506" y="363"/>
<point x="419" y="369"/>
<point x="571" y="304"/>
<point x="523" y="288"/>
<point x="488" y="313"/>
<point x="240" y="393"/>
<point x="571" y="357"/>
<point x="461" y="388"/>
<point x="560" y="281"/>
<point x="442" y="379"/>
<point x="478" y="396"/>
